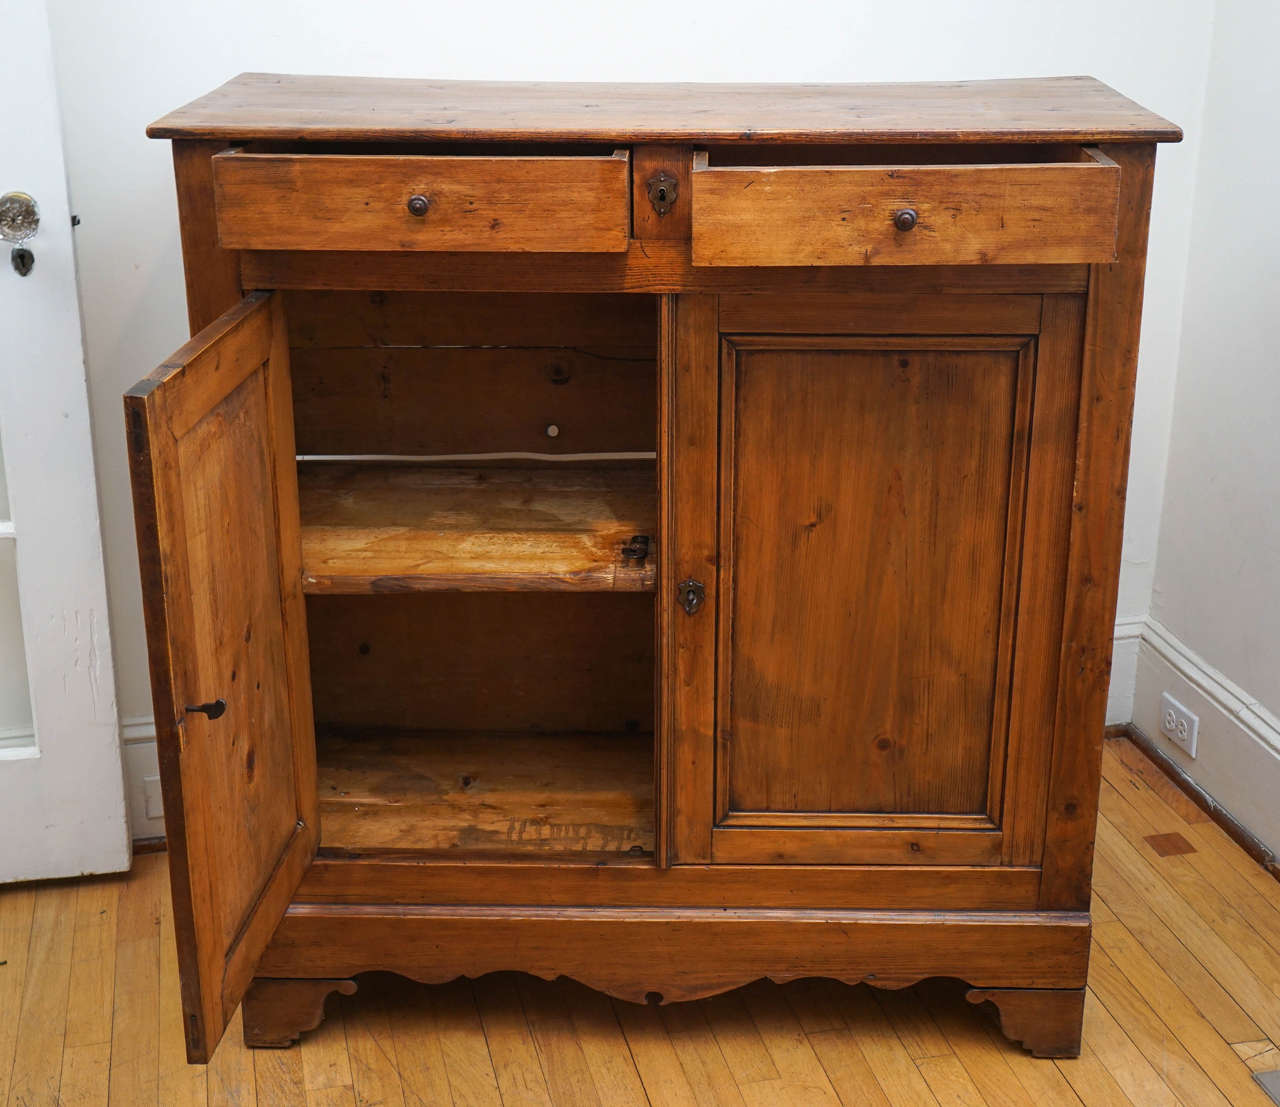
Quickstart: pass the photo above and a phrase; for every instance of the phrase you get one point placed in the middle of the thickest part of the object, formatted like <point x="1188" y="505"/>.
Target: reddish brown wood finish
<point x="353" y="109"/>
<point x="1097" y="528"/>
<point x="1045" y="1021"/>
<point x="213" y="274"/>
<point x="955" y="214"/>
<point x="277" y="1012"/>
<point x="211" y="446"/>
<point x="683" y="953"/>
<point x="353" y="201"/>
<point x="777" y="855"/>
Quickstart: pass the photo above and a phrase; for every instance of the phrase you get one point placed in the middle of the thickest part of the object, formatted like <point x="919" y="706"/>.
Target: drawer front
<point x="576" y="204"/>
<point x="1017" y="214"/>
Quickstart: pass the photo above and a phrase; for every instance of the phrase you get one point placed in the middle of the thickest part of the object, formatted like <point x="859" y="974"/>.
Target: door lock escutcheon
<point x="662" y="189"/>
<point x="692" y="595"/>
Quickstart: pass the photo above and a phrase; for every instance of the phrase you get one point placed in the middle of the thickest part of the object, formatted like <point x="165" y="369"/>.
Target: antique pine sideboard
<point x="664" y="535"/>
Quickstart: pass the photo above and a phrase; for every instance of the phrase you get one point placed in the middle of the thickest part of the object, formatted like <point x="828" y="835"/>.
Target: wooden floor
<point x="1183" y="1001"/>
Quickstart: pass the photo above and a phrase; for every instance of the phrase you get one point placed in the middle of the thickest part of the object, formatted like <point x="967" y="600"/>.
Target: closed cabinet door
<point x="881" y="547"/>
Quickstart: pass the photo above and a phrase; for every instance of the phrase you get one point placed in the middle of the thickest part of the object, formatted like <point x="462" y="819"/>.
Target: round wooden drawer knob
<point x="418" y="205"/>
<point x="905" y="219"/>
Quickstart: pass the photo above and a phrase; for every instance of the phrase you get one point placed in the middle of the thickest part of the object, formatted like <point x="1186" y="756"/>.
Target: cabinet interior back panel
<point x="871" y="494"/>
<point x="491" y="661"/>
<point x="447" y="373"/>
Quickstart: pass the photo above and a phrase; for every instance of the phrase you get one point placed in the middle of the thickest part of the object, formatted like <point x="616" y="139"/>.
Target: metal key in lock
<point x="19" y="221"/>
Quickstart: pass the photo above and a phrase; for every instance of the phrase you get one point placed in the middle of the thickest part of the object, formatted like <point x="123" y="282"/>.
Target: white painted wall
<point x="1215" y="608"/>
<point x="122" y="65"/>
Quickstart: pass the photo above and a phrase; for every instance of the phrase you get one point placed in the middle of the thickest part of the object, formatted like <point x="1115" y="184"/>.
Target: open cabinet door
<point x="216" y="500"/>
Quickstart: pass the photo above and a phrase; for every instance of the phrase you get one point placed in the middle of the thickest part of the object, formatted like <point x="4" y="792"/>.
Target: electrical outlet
<point x="1178" y="724"/>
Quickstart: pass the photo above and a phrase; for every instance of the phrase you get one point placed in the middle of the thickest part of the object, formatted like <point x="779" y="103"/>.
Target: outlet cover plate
<point x="1180" y="725"/>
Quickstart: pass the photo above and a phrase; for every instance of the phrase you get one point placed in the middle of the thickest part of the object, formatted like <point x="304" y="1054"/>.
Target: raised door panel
<point x="216" y="501"/>
<point x="868" y="489"/>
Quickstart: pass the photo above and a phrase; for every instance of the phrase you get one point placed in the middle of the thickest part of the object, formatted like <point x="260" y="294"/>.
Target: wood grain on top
<point x="284" y="107"/>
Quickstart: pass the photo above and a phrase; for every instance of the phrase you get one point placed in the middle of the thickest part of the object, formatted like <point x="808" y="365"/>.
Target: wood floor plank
<point x="375" y="1069"/>
<point x="411" y="1022"/>
<point x="1177" y="960"/>
<point x="801" y="1077"/>
<point x="895" y="1072"/>
<point x="739" y="1039"/>
<point x="968" y="1039"/>
<point x="1120" y="753"/>
<point x="913" y="1023"/>
<point x="1253" y="893"/>
<point x="37" y="1064"/>
<point x="949" y="1081"/>
<point x="1264" y="1062"/>
<point x="847" y="1069"/>
<point x="1123" y="1065"/>
<point x="1239" y="918"/>
<point x="1044" y="1084"/>
<point x="278" y="1076"/>
<point x="86" y="1050"/>
<point x="511" y="1048"/>
<point x="1090" y="1081"/>
<point x="604" y="1045"/>
<point x="1216" y="846"/>
<point x="458" y="1029"/>
<point x="655" y="1055"/>
<point x="1123" y="866"/>
<point x="135" y="1021"/>
<point x="564" y="1064"/>
<point x="17" y="907"/>
<point x="1210" y="1051"/>
<point x="326" y="1068"/>
<point x="230" y="1074"/>
<point x="698" y="1052"/>
<point x="1149" y="1033"/>
<point x="178" y="1084"/>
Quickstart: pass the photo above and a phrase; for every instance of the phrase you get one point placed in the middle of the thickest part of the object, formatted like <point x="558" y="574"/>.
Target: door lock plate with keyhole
<point x="19" y="221"/>
<point x="662" y="191"/>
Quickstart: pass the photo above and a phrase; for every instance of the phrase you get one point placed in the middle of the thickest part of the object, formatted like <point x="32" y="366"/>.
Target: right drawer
<point x="1023" y="213"/>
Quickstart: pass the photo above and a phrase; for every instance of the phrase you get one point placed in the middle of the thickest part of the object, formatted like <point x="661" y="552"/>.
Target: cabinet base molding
<point x="278" y="1012"/>
<point x="1015" y="959"/>
<point x="1045" y="1021"/>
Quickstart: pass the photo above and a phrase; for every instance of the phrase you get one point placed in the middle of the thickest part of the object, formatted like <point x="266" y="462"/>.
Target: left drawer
<point x="499" y="204"/>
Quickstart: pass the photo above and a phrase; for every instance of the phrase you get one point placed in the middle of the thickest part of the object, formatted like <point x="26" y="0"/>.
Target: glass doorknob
<point x="19" y="221"/>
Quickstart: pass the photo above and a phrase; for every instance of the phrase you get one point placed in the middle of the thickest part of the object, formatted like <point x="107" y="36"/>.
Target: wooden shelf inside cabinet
<point x="371" y="527"/>
<point x="589" y="795"/>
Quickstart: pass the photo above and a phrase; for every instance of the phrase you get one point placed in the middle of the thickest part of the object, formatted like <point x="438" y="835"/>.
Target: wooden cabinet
<point x="661" y="536"/>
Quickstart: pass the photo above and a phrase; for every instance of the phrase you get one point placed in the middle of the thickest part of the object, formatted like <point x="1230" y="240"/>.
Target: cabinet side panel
<point x="213" y="274"/>
<point x="1102" y="464"/>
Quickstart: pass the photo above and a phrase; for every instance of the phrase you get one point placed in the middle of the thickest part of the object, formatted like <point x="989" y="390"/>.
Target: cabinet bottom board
<point x="492" y="794"/>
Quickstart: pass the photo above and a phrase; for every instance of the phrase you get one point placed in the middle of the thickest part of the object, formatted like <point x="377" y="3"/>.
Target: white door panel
<point x="62" y="810"/>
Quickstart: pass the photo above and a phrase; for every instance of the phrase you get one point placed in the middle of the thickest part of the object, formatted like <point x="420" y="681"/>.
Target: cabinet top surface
<point x="352" y="109"/>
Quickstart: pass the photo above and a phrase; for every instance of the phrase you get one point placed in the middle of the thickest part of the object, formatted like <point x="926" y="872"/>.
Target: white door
<point x="62" y="808"/>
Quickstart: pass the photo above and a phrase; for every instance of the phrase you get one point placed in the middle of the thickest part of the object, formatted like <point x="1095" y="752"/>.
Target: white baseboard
<point x="1238" y="756"/>
<point x="141" y="776"/>
<point x="1124" y="669"/>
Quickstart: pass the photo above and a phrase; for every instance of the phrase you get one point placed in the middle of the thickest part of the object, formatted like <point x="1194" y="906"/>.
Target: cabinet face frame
<point x="708" y="334"/>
